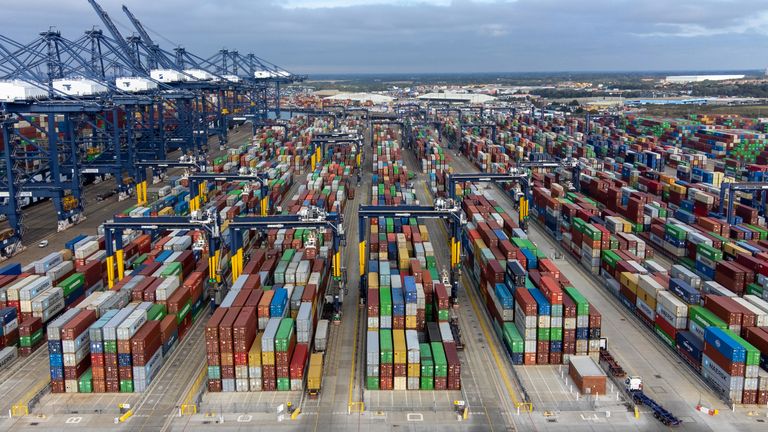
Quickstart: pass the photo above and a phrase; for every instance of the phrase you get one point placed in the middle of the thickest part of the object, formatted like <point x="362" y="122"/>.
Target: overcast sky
<point x="337" y="36"/>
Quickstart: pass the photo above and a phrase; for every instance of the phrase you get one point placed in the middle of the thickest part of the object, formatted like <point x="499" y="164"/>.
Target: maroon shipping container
<point x="214" y="385"/>
<point x="146" y="342"/>
<point x="168" y="326"/>
<point x="253" y="298"/>
<point x="137" y="293"/>
<point x="225" y="330"/>
<point x="212" y="330"/>
<point x="244" y="329"/>
<point x="78" y="324"/>
<point x="57" y="386"/>
<point x="758" y="337"/>
<point x="525" y="300"/>
<point x="732" y="368"/>
<point x="454" y="367"/>
<point x="241" y="297"/>
<point x="179" y="299"/>
<point x="595" y="318"/>
<point x="724" y="308"/>
<point x="30" y="326"/>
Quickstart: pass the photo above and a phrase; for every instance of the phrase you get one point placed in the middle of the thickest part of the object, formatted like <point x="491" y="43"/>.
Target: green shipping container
<point x="156" y="312"/>
<point x="126" y="386"/>
<point x="664" y="336"/>
<point x="709" y="252"/>
<point x="753" y="354"/>
<point x="372" y="383"/>
<point x="556" y="334"/>
<point x="610" y="257"/>
<point x="675" y="231"/>
<point x="283" y="384"/>
<point x="110" y="346"/>
<point x="29" y="341"/>
<point x="288" y="255"/>
<point x="441" y="364"/>
<point x="512" y="338"/>
<point x="139" y="260"/>
<point x="443" y="315"/>
<point x="284" y="335"/>
<point x="704" y="318"/>
<point x="543" y="334"/>
<point x="171" y="269"/>
<point x="73" y="282"/>
<point x="85" y="382"/>
<point x="183" y="312"/>
<point x="385" y="302"/>
<point x="427" y="383"/>
<point x="386" y="350"/>
<point x="755" y="289"/>
<point x="582" y="305"/>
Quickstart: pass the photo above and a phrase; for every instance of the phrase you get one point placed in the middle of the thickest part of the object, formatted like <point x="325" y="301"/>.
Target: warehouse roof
<point x="362" y="97"/>
<point x="458" y="97"/>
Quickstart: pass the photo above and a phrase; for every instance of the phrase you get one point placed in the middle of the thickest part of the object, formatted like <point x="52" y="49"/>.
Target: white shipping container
<point x="83" y="250"/>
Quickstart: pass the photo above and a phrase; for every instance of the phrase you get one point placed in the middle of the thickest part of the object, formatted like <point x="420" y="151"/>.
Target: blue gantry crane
<point x="216" y="231"/>
<point x="98" y="106"/>
<point x="443" y="209"/>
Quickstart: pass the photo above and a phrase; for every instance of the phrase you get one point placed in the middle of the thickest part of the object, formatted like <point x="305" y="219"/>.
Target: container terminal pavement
<point x="289" y="346"/>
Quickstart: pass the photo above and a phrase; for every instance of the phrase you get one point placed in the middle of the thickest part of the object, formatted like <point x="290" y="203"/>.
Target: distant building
<point x="362" y="97"/>
<point x="684" y="79"/>
<point x="458" y="97"/>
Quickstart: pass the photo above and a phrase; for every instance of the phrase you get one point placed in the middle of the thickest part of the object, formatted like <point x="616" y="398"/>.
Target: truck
<point x="634" y="387"/>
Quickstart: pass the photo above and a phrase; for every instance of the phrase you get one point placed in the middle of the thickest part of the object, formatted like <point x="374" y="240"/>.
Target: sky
<point x="435" y="36"/>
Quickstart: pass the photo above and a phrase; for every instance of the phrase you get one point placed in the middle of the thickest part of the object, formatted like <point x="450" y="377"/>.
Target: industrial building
<point x="685" y="79"/>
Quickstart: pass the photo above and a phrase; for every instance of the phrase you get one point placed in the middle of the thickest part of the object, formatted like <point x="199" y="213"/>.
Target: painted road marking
<point x="415" y="417"/>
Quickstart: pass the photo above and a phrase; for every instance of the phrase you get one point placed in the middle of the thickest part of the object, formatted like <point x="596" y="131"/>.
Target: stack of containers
<point x="535" y="310"/>
<point x="9" y="332"/>
<point x="75" y="350"/>
<point x="404" y="297"/>
<point x="268" y="372"/>
<point x="728" y="362"/>
<point x="285" y="343"/>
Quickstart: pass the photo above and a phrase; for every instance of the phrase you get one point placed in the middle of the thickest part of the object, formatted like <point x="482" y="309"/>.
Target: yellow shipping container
<point x="254" y="355"/>
<point x="733" y="250"/>
<point x="410" y="322"/>
<point x="629" y="280"/>
<point x="400" y="348"/>
<point x="268" y="358"/>
<point x="315" y="372"/>
<point x="414" y="370"/>
<point x="373" y="280"/>
<point x="424" y="233"/>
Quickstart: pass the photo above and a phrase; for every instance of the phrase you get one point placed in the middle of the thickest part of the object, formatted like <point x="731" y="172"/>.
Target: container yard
<point x="235" y="245"/>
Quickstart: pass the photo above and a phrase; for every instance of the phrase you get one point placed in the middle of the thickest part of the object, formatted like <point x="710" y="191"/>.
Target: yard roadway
<point x="486" y="372"/>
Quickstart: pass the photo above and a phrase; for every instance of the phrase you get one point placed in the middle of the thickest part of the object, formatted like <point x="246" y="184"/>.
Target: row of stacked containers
<point x="163" y="288"/>
<point x="267" y="334"/>
<point x="435" y="162"/>
<point x="409" y="344"/>
<point x="711" y="306"/>
<point x="540" y="316"/>
<point x="116" y="340"/>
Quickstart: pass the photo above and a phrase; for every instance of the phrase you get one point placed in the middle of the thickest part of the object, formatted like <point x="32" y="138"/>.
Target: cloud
<point x="333" y="36"/>
<point x="316" y="4"/>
